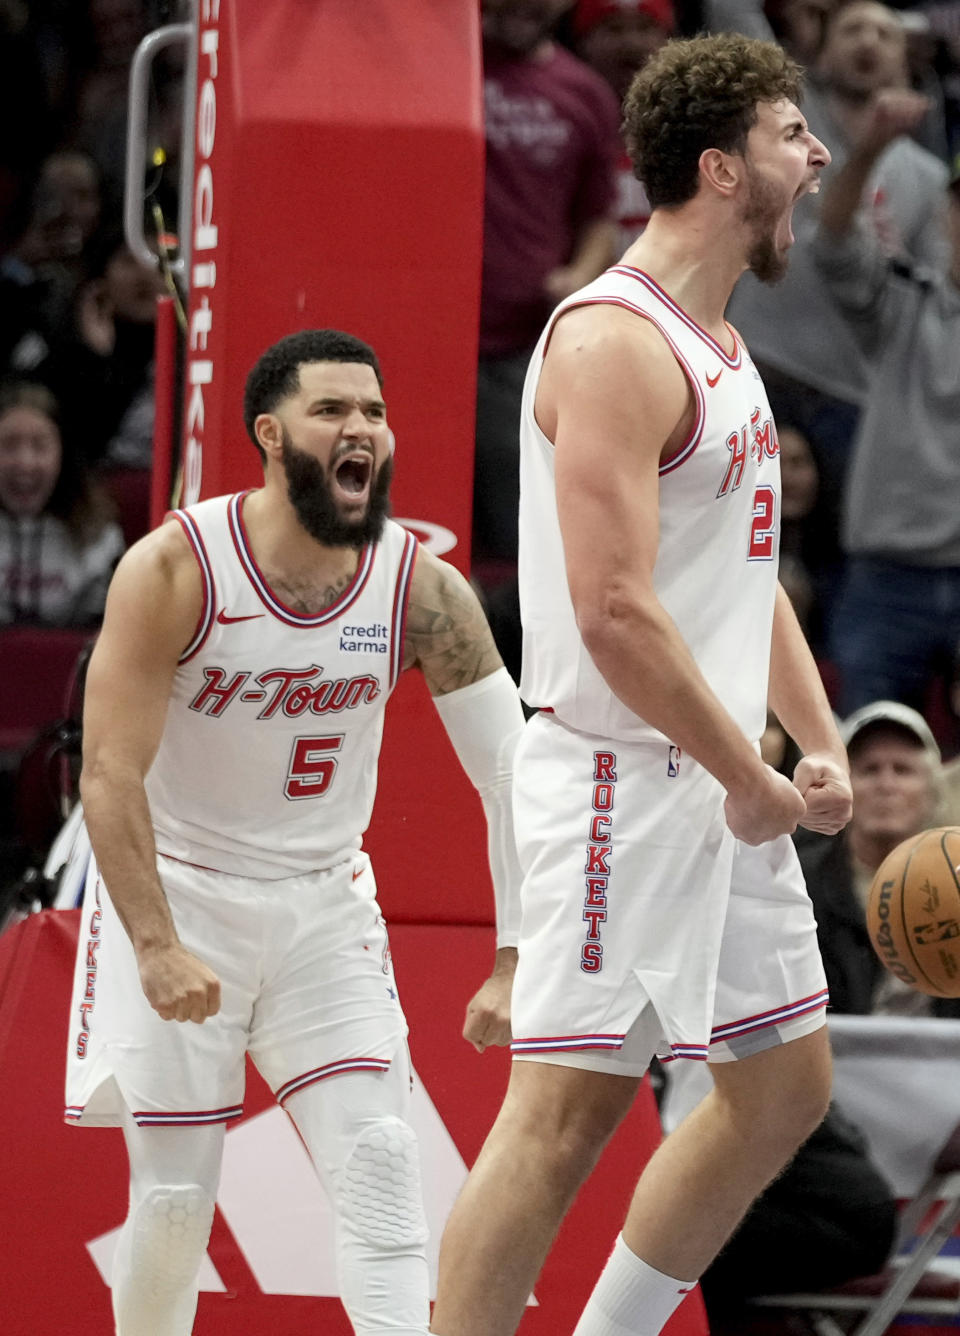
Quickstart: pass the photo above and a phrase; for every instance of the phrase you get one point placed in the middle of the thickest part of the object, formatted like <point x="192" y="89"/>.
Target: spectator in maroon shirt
<point x="552" y="143"/>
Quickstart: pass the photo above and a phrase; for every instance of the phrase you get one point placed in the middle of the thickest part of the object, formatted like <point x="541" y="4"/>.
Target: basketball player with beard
<point x="234" y="710"/>
<point x="663" y="907"/>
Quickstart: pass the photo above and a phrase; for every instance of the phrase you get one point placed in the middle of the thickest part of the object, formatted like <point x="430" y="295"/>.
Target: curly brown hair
<point x="697" y="94"/>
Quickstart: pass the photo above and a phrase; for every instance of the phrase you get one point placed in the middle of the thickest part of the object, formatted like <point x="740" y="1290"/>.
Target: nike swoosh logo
<point x="712" y="380"/>
<point x="224" y="620"/>
<point x="358" y="873"/>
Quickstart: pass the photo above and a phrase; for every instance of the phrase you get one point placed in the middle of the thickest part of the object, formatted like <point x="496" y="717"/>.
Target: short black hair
<point x="276" y="374"/>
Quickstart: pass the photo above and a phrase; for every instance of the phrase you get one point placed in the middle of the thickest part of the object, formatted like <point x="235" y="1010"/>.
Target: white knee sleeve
<point x="169" y="1232"/>
<point x="356" y="1130"/>
<point x="379" y="1190"/>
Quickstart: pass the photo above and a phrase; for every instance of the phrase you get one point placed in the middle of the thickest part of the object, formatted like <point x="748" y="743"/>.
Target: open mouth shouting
<point x="809" y="187"/>
<point x="352" y="477"/>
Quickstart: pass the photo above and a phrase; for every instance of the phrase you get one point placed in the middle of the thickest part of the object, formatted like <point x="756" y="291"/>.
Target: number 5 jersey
<point x="267" y="766"/>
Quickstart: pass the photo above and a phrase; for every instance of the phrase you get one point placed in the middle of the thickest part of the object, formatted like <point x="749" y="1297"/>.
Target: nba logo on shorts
<point x="673" y="762"/>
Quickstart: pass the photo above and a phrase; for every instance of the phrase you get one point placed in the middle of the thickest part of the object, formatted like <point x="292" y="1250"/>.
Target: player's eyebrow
<point x="336" y="400"/>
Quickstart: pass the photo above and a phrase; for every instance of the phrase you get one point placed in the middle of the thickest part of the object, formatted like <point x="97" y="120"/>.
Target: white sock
<point x="630" y="1298"/>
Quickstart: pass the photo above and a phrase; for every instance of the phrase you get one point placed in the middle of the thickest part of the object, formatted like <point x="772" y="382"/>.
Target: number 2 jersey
<point x="267" y="766"/>
<point x="719" y="505"/>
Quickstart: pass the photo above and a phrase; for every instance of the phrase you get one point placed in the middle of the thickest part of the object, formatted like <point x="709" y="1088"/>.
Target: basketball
<point x="913" y="913"/>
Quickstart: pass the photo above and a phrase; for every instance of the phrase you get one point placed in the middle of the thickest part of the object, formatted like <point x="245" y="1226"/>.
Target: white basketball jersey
<point x="268" y="762"/>
<point x="716" y="567"/>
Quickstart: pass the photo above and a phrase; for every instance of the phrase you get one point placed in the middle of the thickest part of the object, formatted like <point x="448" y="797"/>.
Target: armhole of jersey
<point x="401" y="598"/>
<point x="205" y="620"/>
<point x="696" y="431"/>
<point x="684" y="452"/>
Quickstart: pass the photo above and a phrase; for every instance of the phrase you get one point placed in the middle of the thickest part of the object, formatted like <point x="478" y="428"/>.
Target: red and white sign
<point x="269" y="1265"/>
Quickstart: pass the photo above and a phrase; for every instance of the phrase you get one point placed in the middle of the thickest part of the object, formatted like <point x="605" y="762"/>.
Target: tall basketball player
<point x="664" y="910"/>
<point x="234" y="709"/>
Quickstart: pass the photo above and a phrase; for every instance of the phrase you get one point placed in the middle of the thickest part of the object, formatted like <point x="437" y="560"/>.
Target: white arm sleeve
<point x="484" y="722"/>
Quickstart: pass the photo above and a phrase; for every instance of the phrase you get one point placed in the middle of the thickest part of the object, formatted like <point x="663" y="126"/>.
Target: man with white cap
<point x="894" y="773"/>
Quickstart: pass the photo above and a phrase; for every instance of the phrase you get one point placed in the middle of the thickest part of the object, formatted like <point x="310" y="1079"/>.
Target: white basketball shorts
<point x="646" y="926"/>
<point x="307" y="988"/>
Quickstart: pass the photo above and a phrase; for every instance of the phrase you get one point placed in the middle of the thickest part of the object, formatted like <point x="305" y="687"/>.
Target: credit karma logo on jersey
<point x="280" y="1216"/>
<point x="372" y="639"/>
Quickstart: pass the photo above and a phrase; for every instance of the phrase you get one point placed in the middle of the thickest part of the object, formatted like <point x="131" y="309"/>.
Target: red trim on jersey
<point x="185" y="1118"/>
<point x="693" y="1052"/>
<point x="205" y="621"/>
<point x="401" y="598"/>
<point x="775" y="1016"/>
<point x="734" y="360"/>
<point x="683" y="452"/>
<point x="567" y="1043"/>
<point x="266" y="595"/>
<point x="74" y="1112"/>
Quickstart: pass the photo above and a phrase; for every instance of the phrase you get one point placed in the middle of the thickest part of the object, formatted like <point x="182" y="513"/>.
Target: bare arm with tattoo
<point x="448" y="639"/>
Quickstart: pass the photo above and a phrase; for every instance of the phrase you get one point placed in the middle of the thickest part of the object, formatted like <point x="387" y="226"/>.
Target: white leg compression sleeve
<point x="174" y="1172"/>
<point x="355" y="1128"/>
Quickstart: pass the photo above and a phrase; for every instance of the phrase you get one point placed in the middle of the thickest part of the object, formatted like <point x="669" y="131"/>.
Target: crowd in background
<point x="77" y="314"/>
<point x="857" y="344"/>
<point x="859" y="348"/>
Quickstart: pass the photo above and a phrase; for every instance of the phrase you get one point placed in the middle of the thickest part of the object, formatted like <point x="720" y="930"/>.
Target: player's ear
<point x="269" y="433"/>
<point x="720" y="170"/>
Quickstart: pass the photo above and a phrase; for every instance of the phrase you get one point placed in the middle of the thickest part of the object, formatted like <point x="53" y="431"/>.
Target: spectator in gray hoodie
<point x="899" y="613"/>
<point x="813" y="366"/>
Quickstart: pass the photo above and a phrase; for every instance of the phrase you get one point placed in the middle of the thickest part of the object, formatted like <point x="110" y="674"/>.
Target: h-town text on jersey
<point x="293" y="691"/>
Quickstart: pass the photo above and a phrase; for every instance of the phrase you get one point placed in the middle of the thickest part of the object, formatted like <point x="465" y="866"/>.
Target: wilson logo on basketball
<point x="291" y="691"/>
<point x="884" y="940"/>
<point x="913" y="912"/>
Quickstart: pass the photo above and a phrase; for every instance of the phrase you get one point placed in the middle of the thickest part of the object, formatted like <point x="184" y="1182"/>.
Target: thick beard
<point x="762" y="213"/>
<point x="316" y="509"/>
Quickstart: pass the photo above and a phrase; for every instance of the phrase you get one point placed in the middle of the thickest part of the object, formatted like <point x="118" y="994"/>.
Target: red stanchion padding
<point x="269" y="1265"/>
<point x="165" y="373"/>
<point x="338" y="181"/>
<point x="428" y="837"/>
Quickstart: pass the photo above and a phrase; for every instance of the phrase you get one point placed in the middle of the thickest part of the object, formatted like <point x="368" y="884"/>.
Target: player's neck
<point x="682" y="252"/>
<point x="283" y="547"/>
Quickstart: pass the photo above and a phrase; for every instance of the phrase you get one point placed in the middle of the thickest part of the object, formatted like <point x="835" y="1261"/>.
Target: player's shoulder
<point x="439" y="593"/>
<point x="156" y="596"/>
<point x="609" y="341"/>
<point x="162" y="559"/>
<point x="446" y="633"/>
<point x="433" y="577"/>
<point x="173" y="544"/>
